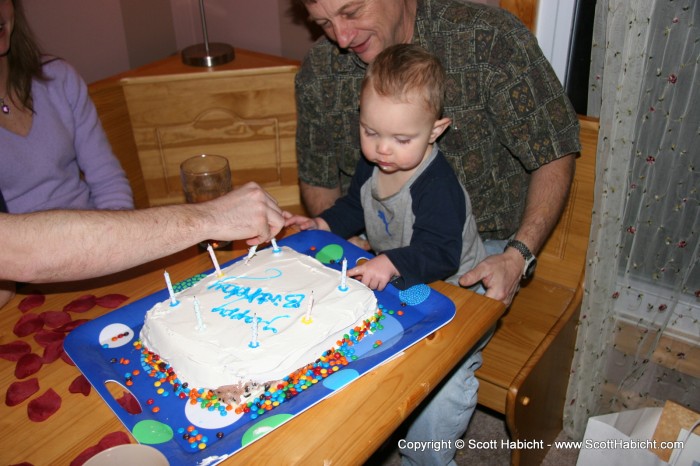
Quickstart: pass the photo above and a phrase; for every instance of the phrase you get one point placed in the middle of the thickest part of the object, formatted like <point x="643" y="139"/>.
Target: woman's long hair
<point x="24" y="59"/>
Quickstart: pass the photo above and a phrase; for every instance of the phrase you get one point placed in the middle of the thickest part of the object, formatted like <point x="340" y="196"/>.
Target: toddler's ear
<point x="439" y="127"/>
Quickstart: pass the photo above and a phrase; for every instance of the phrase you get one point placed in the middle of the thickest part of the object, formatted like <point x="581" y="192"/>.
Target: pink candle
<point x="213" y="259"/>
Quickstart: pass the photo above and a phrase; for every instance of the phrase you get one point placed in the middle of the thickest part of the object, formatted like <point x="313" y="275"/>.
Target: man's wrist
<point x="527" y="255"/>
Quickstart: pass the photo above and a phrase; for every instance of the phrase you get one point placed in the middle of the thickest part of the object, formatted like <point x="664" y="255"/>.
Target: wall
<point x="105" y="37"/>
<point x="88" y="34"/>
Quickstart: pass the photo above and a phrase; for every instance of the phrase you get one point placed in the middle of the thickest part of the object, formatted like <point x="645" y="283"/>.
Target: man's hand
<point x="246" y="212"/>
<point x="546" y="197"/>
<point x="500" y="274"/>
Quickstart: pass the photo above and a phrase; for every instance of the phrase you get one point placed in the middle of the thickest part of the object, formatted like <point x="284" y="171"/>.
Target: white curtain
<point x="639" y="332"/>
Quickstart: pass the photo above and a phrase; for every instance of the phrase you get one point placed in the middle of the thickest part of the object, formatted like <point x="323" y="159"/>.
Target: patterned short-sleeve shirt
<point x="510" y="114"/>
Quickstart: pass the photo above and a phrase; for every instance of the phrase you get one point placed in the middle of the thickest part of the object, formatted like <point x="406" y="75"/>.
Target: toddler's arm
<point x="304" y="223"/>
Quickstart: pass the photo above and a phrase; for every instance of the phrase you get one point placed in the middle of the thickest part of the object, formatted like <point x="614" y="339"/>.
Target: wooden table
<point x="343" y="429"/>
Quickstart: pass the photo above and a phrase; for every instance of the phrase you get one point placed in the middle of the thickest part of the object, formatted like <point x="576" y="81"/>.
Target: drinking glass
<point x="205" y="177"/>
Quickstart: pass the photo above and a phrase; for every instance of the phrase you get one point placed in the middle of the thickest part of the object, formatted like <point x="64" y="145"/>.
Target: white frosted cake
<point x="210" y="337"/>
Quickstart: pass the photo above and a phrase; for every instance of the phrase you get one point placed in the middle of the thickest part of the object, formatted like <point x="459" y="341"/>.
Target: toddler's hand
<point x="375" y="273"/>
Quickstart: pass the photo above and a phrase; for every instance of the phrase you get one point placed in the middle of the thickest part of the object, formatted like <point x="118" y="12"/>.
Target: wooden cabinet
<point x="244" y="110"/>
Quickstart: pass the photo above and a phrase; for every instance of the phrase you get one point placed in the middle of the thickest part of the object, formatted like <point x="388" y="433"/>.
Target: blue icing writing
<point x="231" y="290"/>
<point x="233" y="293"/>
<point x="246" y="293"/>
<point x="273" y="273"/>
<point x="247" y="317"/>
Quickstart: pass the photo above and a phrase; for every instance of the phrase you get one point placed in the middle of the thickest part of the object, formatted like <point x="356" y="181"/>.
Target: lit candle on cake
<point x="307" y="316"/>
<point x="173" y="300"/>
<point x="213" y="259"/>
<point x="275" y="248"/>
<point x="198" y="315"/>
<point x="251" y="253"/>
<point x="254" y="343"/>
<point x="344" y="276"/>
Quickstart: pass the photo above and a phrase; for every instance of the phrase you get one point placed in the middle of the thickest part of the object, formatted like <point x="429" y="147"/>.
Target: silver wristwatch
<point x="530" y="259"/>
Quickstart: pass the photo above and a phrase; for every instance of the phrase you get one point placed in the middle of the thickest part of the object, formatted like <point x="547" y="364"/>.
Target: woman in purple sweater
<point x="54" y="153"/>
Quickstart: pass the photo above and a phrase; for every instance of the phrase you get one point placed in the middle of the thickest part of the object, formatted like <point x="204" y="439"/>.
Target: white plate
<point x="128" y="455"/>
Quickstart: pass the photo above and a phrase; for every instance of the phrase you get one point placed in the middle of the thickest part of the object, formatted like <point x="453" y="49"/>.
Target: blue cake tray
<point x="103" y="349"/>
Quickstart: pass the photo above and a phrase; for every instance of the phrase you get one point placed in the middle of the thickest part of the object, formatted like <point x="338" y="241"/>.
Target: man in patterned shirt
<point x="512" y="143"/>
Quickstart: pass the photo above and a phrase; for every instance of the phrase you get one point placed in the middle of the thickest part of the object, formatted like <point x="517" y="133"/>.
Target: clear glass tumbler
<point x="206" y="177"/>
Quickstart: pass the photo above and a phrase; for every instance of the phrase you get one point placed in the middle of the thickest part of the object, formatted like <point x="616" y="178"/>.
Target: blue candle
<point x="171" y="292"/>
<point x="198" y="315"/>
<point x="254" y="343"/>
<point x="344" y="276"/>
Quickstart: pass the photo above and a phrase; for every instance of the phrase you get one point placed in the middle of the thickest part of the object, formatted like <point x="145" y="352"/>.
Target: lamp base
<point x="196" y="55"/>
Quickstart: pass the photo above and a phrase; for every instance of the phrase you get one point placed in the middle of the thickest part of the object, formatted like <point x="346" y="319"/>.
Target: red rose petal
<point x="54" y="319"/>
<point x="113" y="439"/>
<point x="82" y="304"/>
<point x="72" y="325"/>
<point x="31" y="301"/>
<point x="14" y="350"/>
<point x="129" y="403"/>
<point x="46" y="337"/>
<point x="52" y="352"/>
<point x="27" y="365"/>
<point x="67" y="358"/>
<point x="80" y="385"/>
<point x="28" y="324"/>
<point x="111" y="301"/>
<point x="42" y="407"/>
<point x="19" y="391"/>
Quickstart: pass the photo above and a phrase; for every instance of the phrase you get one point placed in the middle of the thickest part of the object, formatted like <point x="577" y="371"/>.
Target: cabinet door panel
<point x="248" y="116"/>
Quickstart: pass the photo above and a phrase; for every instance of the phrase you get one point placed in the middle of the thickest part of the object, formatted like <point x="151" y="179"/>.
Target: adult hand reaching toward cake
<point x="61" y="245"/>
<point x="248" y="213"/>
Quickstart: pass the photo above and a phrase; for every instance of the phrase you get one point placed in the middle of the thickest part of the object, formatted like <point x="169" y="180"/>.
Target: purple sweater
<point x="43" y="170"/>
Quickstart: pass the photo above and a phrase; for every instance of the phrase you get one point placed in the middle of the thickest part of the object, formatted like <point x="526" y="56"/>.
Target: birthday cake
<point x="255" y="322"/>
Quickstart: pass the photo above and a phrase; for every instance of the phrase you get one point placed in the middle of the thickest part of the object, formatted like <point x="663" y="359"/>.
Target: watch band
<point x="521" y="248"/>
<point x="530" y="260"/>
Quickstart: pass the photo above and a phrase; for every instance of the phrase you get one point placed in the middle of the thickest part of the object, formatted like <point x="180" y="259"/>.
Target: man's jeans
<point x="444" y="416"/>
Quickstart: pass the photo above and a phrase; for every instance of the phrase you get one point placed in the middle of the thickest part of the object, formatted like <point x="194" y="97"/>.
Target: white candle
<point x="307" y="316"/>
<point x="171" y="292"/>
<point x="251" y="253"/>
<point x="198" y="314"/>
<point x="213" y="259"/>
<point x="344" y="276"/>
<point x="254" y="343"/>
<point x="275" y="248"/>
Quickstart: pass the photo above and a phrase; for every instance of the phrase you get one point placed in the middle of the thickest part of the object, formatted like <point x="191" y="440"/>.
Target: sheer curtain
<point x="639" y="332"/>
